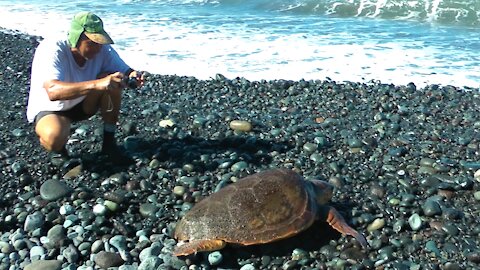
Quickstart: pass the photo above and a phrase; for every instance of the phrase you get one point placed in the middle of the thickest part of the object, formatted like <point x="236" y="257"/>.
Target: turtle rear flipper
<point x="337" y="222"/>
<point x="198" y="246"/>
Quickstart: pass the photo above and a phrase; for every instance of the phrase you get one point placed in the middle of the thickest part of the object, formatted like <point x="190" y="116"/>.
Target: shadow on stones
<point x="177" y="152"/>
<point x="311" y="239"/>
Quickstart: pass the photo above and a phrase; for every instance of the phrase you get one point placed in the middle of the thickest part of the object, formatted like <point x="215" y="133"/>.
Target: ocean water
<point x="392" y="41"/>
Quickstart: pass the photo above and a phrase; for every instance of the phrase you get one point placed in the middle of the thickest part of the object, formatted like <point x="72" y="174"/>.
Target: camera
<point x="130" y="82"/>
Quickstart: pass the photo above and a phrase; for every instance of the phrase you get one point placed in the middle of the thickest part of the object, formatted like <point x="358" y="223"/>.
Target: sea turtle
<point x="260" y="208"/>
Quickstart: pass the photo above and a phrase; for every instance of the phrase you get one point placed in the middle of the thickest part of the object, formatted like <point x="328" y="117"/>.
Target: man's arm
<point x="59" y="90"/>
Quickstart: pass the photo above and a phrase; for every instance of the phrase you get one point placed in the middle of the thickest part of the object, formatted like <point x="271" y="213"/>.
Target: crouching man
<point x="72" y="80"/>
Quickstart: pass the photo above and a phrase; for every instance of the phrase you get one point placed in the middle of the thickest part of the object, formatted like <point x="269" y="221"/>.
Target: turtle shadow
<point x="311" y="239"/>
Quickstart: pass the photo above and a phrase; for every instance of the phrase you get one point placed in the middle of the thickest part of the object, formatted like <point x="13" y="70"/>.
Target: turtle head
<point x="323" y="191"/>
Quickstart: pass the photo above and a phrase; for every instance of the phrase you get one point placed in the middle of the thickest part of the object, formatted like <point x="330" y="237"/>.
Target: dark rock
<point x="54" y="189"/>
<point x="105" y="260"/>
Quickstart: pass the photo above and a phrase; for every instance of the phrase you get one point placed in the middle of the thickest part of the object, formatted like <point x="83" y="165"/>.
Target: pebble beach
<point x="404" y="161"/>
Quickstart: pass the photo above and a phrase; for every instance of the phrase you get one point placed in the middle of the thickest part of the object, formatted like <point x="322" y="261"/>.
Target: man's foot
<point x="58" y="158"/>
<point x="71" y="163"/>
<point x="117" y="155"/>
<point x="63" y="160"/>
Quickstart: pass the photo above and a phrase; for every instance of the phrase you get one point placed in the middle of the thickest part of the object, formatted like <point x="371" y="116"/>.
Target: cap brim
<point x="100" y="38"/>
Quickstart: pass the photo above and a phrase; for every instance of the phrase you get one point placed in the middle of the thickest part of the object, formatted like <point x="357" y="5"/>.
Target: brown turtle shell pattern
<point x="259" y="208"/>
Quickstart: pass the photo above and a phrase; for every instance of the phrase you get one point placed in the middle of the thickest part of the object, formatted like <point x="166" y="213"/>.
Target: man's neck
<point x="78" y="58"/>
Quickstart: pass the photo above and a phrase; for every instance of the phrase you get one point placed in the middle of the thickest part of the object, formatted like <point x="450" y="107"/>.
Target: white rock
<point x="477" y="176"/>
<point x="99" y="209"/>
<point x="66" y="209"/>
<point x="166" y="123"/>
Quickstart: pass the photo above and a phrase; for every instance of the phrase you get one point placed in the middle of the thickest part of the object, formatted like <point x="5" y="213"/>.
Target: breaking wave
<point x="449" y="12"/>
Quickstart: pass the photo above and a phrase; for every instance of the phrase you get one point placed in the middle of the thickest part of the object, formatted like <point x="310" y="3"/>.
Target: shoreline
<point x="420" y="79"/>
<point x="405" y="162"/>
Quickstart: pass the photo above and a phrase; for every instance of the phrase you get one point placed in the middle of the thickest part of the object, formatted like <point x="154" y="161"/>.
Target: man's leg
<point x="108" y="102"/>
<point x="53" y="132"/>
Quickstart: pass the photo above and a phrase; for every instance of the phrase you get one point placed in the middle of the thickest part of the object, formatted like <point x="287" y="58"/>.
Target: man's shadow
<point x="175" y="152"/>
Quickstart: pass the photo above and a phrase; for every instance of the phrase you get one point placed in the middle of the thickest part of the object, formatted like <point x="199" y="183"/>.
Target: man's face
<point x="87" y="48"/>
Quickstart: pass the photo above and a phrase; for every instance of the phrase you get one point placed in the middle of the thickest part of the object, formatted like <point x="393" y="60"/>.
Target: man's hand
<point x="111" y="81"/>
<point x="138" y="76"/>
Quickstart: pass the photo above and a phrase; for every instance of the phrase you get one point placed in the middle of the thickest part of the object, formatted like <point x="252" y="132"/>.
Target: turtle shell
<point x="259" y="208"/>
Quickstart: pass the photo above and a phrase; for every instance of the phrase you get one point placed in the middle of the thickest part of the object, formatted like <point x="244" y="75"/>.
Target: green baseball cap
<point x="91" y="25"/>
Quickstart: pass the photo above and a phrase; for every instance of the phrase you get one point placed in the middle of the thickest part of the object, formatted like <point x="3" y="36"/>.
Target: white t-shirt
<point x="53" y="60"/>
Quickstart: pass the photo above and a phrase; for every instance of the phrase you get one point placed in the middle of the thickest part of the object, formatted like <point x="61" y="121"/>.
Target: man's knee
<point x="52" y="145"/>
<point x="53" y="141"/>
<point x="52" y="135"/>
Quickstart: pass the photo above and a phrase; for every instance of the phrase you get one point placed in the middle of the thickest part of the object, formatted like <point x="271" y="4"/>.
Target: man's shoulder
<point x="51" y="48"/>
<point x="57" y="44"/>
<point x="107" y="49"/>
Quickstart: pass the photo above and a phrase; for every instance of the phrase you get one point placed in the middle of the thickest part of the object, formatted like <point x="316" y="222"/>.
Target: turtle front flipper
<point x="198" y="246"/>
<point x="338" y="223"/>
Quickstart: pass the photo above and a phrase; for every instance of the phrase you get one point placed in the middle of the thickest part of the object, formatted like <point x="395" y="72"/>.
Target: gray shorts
<point x="75" y="114"/>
